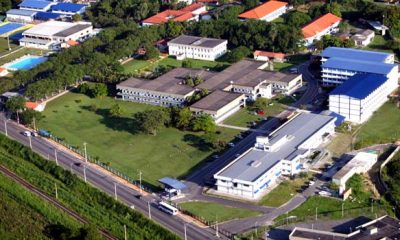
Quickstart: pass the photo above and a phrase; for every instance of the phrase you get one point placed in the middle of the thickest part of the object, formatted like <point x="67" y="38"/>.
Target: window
<point x="235" y="184"/>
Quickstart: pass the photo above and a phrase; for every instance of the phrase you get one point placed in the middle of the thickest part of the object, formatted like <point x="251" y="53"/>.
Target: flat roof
<point x="216" y="100"/>
<point x="245" y="73"/>
<point x="197" y="41"/>
<point x="68" y="7"/>
<point x="360" y="159"/>
<point x="171" y="82"/>
<point x="356" y="54"/>
<point x="300" y="128"/>
<point x="360" y="85"/>
<point x="49" y="28"/>
<point x="21" y="12"/>
<point x="351" y="64"/>
<point x="47" y="15"/>
<point x="173" y="183"/>
<point x="72" y="30"/>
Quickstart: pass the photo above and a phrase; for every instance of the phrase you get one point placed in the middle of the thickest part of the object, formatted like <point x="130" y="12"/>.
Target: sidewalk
<point x="241" y="128"/>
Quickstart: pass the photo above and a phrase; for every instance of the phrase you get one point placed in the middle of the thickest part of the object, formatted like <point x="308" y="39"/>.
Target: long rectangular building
<point x="280" y="153"/>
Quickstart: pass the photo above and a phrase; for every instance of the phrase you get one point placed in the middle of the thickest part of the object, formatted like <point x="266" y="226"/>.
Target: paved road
<point x="106" y="184"/>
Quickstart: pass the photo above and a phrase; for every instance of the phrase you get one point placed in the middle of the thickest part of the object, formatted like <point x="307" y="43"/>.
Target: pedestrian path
<point x="241" y="128"/>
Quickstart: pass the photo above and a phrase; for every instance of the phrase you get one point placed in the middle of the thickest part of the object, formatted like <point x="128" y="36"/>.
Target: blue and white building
<point x="65" y="8"/>
<point x="339" y="64"/>
<point x="283" y="152"/>
<point x="20" y="16"/>
<point x="36" y="5"/>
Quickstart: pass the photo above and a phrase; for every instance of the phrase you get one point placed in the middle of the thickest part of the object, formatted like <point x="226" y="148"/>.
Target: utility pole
<point x="84" y="172"/>
<point x="34" y="124"/>
<point x="55" y="185"/>
<point x="316" y="213"/>
<point x="140" y="182"/>
<point x="216" y="227"/>
<point x="372" y="206"/>
<point x="148" y="204"/>
<point x="8" y="42"/>
<point x="125" y="234"/>
<point x="115" y="191"/>
<point x="184" y="228"/>
<point x="84" y="145"/>
<point x="5" y="126"/>
<point x="30" y="141"/>
<point x="55" y="155"/>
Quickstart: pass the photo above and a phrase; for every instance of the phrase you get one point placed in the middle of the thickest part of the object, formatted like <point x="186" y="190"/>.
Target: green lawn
<point x="11" y="57"/>
<point x="135" y="65"/>
<point x="170" y="153"/>
<point x="283" y="192"/>
<point x="290" y="62"/>
<point x="212" y="211"/>
<point x="379" y="44"/>
<point x="382" y="127"/>
<point x="340" y="144"/>
<point x="244" y="117"/>
<point x="4" y="45"/>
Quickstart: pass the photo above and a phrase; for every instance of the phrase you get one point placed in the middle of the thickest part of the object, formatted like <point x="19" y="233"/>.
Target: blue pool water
<point x="27" y="63"/>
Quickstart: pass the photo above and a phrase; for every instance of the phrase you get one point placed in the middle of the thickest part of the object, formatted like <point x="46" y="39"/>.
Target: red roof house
<point x="267" y="11"/>
<point x="266" y="56"/>
<point x="321" y="26"/>
<point x="187" y="13"/>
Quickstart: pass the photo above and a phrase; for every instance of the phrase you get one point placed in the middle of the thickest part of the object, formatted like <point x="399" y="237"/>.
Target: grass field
<point x="4" y="46"/>
<point x="136" y="65"/>
<point x="291" y="62"/>
<point x="378" y="44"/>
<point x="212" y="211"/>
<point x="283" y="192"/>
<point x="340" y="144"/>
<point x="170" y="153"/>
<point x="382" y="127"/>
<point x="23" y="215"/>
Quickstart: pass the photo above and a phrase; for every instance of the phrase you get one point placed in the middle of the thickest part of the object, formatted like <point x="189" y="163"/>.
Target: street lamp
<point x="84" y="145"/>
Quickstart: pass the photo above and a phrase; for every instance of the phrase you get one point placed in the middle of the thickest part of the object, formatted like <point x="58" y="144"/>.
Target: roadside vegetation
<point x="97" y="207"/>
<point x="391" y="176"/>
<point x="211" y="212"/>
<point x="131" y="145"/>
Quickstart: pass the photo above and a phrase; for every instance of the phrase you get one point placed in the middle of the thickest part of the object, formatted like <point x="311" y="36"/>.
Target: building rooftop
<point x="358" y="65"/>
<point x="360" y="86"/>
<point x="192" y="7"/>
<point x="68" y="7"/>
<point x="263" y="10"/>
<point x="300" y="128"/>
<point x="47" y="15"/>
<point x="21" y="12"/>
<point x="171" y="82"/>
<point x="73" y="29"/>
<point x="355" y="54"/>
<point x="169" y="15"/>
<point x="37" y="4"/>
<point x="319" y="25"/>
<point x="216" y="100"/>
<point x="269" y="54"/>
<point x="197" y="41"/>
<point x="49" y="28"/>
<point x="361" y="159"/>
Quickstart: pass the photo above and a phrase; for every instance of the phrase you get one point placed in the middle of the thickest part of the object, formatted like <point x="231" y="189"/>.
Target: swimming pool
<point x="25" y="63"/>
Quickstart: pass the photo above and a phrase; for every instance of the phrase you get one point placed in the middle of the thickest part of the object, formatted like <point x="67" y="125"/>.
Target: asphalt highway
<point x="107" y="184"/>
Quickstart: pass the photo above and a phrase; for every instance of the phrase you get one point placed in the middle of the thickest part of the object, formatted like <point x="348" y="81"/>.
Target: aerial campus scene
<point x="199" y="119"/>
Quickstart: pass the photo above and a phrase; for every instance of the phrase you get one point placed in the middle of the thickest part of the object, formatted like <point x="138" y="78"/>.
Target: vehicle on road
<point x="231" y="144"/>
<point x="311" y="183"/>
<point x="78" y="164"/>
<point x="44" y="133"/>
<point x="215" y="156"/>
<point x="237" y="155"/>
<point x="26" y="133"/>
<point x="35" y="134"/>
<point x="165" y="207"/>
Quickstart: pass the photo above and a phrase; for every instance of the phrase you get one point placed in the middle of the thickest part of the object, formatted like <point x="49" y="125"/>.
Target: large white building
<point x="197" y="47"/>
<point x="267" y="11"/>
<point x="360" y="96"/>
<point x="50" y="35"/>
<point x="324" y="25"/>
<point x="283" y="152"/>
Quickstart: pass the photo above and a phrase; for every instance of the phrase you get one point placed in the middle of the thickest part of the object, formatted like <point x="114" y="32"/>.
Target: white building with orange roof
<point x="269" y="56"/>
<point x="35" y="106"/>
<point x="188" y="13"/>
<point x="3" y="72"/>
<point x="321" y="26"/>
<point x="267" y="11"/>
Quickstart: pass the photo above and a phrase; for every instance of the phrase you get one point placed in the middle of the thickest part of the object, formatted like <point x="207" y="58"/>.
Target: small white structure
<point x="3" y="71"/>
<point x="363" y="38"/>
<point x="267" y="11"/>
<point x="269" y="56"/>
<point x="280" y="153"/>
<point x="323" y="25"/>
<point x="359" y="164"/>
<point x="20" y="16"/>
<point x="197" y="47"/>
<point x="50" y="35"/>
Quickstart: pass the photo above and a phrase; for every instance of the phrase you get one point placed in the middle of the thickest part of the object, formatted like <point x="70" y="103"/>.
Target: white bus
<point x="165" y="207"/>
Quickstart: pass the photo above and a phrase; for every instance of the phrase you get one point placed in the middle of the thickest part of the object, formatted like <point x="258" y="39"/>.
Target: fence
<point x="101" y="164"/>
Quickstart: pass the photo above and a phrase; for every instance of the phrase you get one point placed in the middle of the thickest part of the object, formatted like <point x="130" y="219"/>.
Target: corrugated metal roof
<point x="21" y="12"/>
<point x="35" y="4"/>
<point x="358" y="65"/>
<point x="355" y="54"/>
<point x="172" y="182"/>
<point x="47" y="15"/>
<point x="360" y="85"/>
<point x="68" y="7"/>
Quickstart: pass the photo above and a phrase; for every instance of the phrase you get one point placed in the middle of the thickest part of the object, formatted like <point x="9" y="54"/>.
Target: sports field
<point x="117" y="141"/>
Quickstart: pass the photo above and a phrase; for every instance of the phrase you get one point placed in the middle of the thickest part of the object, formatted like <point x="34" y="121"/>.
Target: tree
<point x="151" y="53"/>
<point x="203" y="122"/>
<point x="89" y="232"/>
<point x="238" y="54"/>
<point x="99" y="90"/>
<point x="76" y="18"/>
<point x="297" y="19"/>
<point x="116" y="110"/>
<point x="84" y="88"/>
<point x="260" y="104"/>
<point x="151" y="121"/>
<point x="16" y="104"/>
<point x="30" y="115"/>
<point x="334" y="8"/>
<point x="250" y="3"/>
<point x="187" y="63"/>
<point x="184" y="117"/>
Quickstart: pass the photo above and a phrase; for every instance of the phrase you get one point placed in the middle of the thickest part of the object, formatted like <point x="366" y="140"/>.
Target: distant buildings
<point x="188" y="13"/>
<point x="50" y="35"/>
<point x="323" y="25"/>
<point x="197" y="48"/>
<point x="267" y="11"/>
<point x="269" y="56"/>
<point x="282" y="152"/>
<point x="363" y="38"/>
<point x="36" y="5"/>
<point x="228" y="89"/>
<point x="65" y="8"/>
<point x="366" y="78"/>
<point x="21" y="16"/>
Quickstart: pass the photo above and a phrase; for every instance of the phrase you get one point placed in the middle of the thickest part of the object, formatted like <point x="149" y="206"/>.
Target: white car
<point x="27" y="133"/>
<point x="311" y="183"/>
<point x="231" y="144"/>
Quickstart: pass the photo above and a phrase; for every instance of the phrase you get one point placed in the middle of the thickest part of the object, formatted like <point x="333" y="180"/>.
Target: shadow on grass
<point x="197" y="142"/>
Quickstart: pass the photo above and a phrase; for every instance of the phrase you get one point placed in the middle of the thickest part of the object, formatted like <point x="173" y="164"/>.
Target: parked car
<point x="35" y="134"/>
<point x="26" y="133"/>
<point x="231" y="144"/>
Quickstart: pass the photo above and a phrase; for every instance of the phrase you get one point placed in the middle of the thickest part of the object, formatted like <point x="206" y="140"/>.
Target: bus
<point x="165" y="207"/>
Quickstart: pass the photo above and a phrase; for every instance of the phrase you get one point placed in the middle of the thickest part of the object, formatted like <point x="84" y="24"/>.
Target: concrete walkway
<point x="241" y="128"/>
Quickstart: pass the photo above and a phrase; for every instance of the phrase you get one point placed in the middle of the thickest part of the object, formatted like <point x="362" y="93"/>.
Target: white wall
<point x="196" y="52"/>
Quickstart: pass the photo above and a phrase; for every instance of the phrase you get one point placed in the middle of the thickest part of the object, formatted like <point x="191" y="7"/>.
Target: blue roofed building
<point x="357" y="54"/>
<point x="36" y="5"/>
<point x="68" y="8"/>
<point x="360" y="96"/>
<point x="46" y="16"/>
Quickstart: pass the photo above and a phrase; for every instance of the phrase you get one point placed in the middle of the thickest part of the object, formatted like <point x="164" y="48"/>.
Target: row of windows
<point x="142" y="94"/>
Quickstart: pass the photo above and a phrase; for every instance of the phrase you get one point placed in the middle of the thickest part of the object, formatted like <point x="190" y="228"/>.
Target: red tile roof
<point x="31" y="105"/>
<point x="319" y="25"/>
<point x="169" y="15"/>
<point x="2" y="69"/>
<point x="263" y="10"/>
<point x="269" y="54"/>
<point x="192" y="7"/>
<point x="72" y="43"/>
